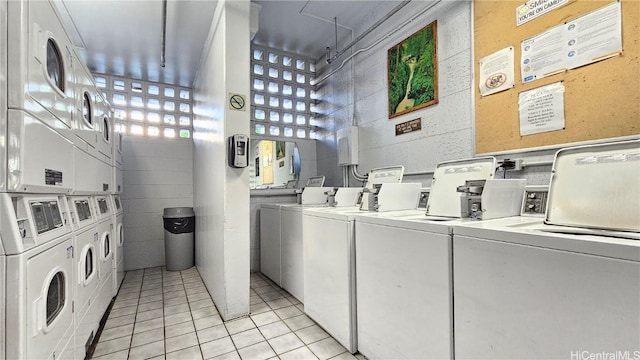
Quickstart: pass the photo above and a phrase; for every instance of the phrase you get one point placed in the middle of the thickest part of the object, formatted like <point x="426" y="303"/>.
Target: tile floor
<point x="162" y="314"/>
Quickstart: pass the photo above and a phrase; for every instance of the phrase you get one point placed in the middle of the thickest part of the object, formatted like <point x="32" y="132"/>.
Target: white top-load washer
<point x="292" y="236"/>
<point x="567" y="286"/>
<point x="36" y="237"/>
<point x="271" y="230"/>
<point x="329" y="252"/>
<point x="403" y="266"/>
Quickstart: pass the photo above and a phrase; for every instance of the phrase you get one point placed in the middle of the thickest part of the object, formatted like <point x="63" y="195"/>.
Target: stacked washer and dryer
<point x="56" y="179"/>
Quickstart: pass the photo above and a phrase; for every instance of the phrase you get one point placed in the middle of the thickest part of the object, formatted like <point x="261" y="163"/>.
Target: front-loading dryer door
<point x="48" y="302"/>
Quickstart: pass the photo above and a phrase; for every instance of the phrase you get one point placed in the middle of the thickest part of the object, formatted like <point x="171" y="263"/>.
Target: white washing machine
<point x="86" y="244"/>
<point x="271" y="230"/>
<point x="403" y="270"/>
<point x="102" y="206"/>
<point x="118" y="258"/>
<point x="329" y="254"/>
<point x="565" y="287"/>
<point x="291" y="237"/>
<point x="37" y="239"/>
<point x="39" y="128"/>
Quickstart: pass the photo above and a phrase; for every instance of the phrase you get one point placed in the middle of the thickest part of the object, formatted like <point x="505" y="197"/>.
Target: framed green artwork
<point x="412" y="70"/>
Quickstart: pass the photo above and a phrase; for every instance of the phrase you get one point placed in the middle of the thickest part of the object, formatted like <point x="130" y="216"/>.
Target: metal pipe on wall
<point x="366" y="32"/>
<point x="420" y="13"/>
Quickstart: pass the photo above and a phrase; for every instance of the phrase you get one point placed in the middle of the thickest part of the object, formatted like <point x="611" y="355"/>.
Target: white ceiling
<point x="123" y="37"/>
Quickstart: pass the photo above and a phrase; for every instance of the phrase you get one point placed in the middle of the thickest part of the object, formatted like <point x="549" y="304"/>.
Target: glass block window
<point x="169" y="119"/>
<point x="118" y="85"/>
<point x="143" y="108"/>
<point x="119" y="99"/>
<point x="153" y="131"/>
<point x="101" y="82"/>
<point x="137" y="115"/>
<point x="154" y="90"/>
<point x="136" y="101"/>
<point x="185" y="121"/>
<point x="136" y="87"/>
<point x="281" y="93"/>
<point x="153" y="117"/>
<point x="153" y="104"/>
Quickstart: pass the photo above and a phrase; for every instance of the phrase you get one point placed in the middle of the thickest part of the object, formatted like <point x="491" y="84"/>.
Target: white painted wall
<point x="157" y="173"/>
<point x="221" y="193"/>
<point x="447" y="127"/>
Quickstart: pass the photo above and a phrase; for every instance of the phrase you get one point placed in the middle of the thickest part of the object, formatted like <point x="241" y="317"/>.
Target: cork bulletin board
<point x="601" y="100"/>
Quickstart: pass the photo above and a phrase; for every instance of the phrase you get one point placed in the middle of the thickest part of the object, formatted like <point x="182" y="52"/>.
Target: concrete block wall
<point x="157" y="173"/>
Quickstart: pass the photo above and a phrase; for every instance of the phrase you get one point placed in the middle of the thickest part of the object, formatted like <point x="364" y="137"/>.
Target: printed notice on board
<point x="496" y="72"/>
<point x="534" y="8"/>
<point x="590" y="38"/>
<point x="542" y="109"/>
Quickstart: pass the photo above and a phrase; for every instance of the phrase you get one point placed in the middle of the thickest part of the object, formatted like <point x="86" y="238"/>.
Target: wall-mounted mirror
<point x="273" y="164"/>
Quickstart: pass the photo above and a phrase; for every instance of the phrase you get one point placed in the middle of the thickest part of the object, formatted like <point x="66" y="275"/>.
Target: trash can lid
<point x="178" y="212"/>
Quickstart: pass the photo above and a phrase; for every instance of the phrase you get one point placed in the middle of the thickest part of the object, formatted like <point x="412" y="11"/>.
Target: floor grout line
<point x="158" y="278"/>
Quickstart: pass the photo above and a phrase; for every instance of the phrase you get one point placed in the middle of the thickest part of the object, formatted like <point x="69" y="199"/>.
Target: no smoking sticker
<point x="237" y="102"/>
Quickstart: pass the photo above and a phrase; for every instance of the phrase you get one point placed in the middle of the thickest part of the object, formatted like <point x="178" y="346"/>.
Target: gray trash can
<point x="179" y="228"/>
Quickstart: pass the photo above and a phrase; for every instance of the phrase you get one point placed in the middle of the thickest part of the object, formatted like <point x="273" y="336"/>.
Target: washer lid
<point x="444" y="199"/>
<point x="391" y="174"/>
<point x="596" y="186"/>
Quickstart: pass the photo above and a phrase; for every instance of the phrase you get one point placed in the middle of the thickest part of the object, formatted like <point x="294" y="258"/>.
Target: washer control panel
<point x="535" y="201"/>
